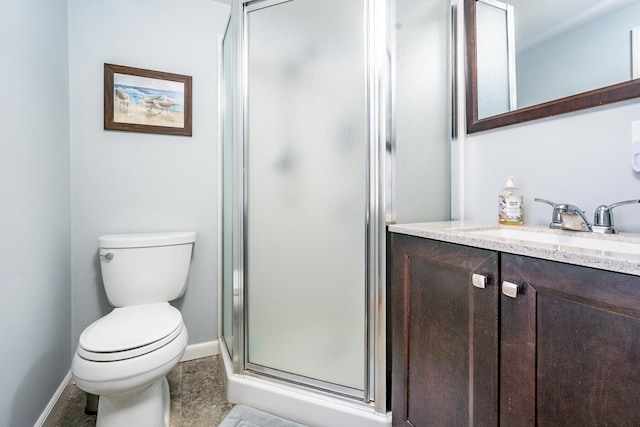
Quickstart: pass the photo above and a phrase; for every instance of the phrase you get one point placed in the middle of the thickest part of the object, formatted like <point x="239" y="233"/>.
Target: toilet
<point x="124" y="356"/>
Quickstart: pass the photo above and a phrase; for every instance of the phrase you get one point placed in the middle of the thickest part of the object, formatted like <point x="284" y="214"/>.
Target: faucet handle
<point x="567" y="217"/>
<point x="549" y="202"/>
<point x="556" y="216"/>
<point x="603" y="217"/>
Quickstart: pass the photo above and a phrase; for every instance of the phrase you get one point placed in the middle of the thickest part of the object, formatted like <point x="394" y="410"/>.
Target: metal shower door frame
<point x="379" y="207"/>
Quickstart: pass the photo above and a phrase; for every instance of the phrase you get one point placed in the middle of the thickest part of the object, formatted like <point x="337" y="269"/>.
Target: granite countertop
<point x="464" y="233"/>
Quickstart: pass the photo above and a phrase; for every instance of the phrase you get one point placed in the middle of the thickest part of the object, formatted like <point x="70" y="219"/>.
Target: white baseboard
<point x="204" y="349"/>
<point x="194" y="351"/>
<point x="56" y="401"/>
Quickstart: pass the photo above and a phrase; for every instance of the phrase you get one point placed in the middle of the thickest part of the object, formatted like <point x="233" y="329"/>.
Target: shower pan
<point x="307" y="159"/>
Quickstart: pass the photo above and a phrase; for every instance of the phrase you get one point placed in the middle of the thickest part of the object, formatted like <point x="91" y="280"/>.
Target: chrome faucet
<point x="603" y="217"/>
<point x="567" y="217"/>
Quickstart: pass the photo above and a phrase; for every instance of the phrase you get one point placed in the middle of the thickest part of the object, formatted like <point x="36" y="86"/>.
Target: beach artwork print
<point x="147" y="101"/>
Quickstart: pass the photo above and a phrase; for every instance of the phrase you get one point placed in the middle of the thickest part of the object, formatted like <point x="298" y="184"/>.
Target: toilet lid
<point x="129" y="331"/>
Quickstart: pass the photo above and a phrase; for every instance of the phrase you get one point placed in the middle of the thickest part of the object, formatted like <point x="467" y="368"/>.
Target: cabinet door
<point x="570" y="346"/>
<point x="445" y="336"/>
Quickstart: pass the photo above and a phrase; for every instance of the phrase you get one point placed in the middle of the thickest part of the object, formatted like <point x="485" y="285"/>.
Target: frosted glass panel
<point x="492" y="60"/>
<point x="423" y="111"/>
<point x="306" y="181"/>
<point x="227" y="191"/>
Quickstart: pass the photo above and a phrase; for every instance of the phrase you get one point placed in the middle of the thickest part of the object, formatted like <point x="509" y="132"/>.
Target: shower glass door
<point x="306" y="198"/>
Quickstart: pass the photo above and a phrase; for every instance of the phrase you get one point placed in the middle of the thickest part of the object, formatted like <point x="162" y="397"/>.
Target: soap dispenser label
<point x="513" y="207"/>
<point x="510" y="209"/>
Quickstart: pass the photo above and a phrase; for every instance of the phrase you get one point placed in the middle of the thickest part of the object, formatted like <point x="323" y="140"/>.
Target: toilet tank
<point x="145" y="268"/>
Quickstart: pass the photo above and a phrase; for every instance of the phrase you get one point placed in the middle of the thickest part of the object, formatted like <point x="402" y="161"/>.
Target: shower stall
<point x="307" y="158"/>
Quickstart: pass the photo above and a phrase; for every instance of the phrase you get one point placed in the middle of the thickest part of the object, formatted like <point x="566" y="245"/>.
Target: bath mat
<point x="245" y="416"/>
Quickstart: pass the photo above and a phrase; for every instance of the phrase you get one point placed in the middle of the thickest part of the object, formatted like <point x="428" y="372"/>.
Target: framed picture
<point x="139" y="100"/>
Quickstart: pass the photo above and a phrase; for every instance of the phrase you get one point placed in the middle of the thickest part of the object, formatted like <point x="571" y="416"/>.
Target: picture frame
<point x="139" y="100"/>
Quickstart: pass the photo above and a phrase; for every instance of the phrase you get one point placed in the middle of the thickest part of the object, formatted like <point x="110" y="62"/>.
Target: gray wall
<point x="582" y="158"/>
<point x="35" y="291"/>
<point x="132" y="182"/>
<point x="594" y="55"/>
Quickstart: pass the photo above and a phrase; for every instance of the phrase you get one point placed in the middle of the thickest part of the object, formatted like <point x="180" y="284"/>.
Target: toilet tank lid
<point x="141" y="240"/>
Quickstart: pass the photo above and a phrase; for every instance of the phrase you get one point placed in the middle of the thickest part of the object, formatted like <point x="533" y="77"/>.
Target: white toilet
<point x="124" y="356"/>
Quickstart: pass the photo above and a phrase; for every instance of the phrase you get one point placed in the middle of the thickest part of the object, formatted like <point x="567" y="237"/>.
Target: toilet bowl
<point x="124" y="356"/>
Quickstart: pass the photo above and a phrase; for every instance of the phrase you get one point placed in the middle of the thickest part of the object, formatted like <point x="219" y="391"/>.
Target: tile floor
<point x="197" y="397"/>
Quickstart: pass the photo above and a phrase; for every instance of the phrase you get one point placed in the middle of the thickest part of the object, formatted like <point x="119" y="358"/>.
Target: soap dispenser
<point x="510" y="204"/>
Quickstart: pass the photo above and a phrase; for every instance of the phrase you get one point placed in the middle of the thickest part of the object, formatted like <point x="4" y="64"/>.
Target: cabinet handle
<point x="510" y="289"/>
<point x="479" y="281"/>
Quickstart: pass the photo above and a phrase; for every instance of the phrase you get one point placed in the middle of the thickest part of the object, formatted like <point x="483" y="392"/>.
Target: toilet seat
<point x="129" y="332"/>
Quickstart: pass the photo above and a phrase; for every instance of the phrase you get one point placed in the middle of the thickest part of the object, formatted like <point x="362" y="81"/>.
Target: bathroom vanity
<point x="493" y="326"/>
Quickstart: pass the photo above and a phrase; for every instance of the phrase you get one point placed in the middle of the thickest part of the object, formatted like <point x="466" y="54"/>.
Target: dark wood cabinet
<point x="570" y="346"/>
<point x="564" y="352"/>
<point x="444" y="334"/>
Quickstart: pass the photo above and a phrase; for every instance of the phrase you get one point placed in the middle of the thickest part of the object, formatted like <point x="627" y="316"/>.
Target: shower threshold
<point x="307" y="407"/>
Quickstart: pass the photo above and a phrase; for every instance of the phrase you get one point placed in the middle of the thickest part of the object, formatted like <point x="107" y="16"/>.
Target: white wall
<point x="34" y="207"/>
<point x="133" y="182"/>
<point x="582" y="158"/>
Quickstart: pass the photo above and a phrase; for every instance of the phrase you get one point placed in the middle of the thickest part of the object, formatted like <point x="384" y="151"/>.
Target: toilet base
<point x="149" y="407"/>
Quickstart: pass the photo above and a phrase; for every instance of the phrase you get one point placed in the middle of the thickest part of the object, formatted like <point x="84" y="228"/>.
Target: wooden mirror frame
<point x="593" y="98"/>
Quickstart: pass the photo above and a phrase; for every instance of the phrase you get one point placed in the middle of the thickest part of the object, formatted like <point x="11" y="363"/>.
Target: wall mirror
<point x="528" y="60"/>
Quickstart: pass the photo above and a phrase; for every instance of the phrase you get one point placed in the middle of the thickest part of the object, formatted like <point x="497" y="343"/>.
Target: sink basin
<point x="599" y="244"/>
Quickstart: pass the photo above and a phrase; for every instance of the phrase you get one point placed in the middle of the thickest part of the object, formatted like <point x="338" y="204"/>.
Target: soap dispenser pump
<point x="510" y="204"/>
